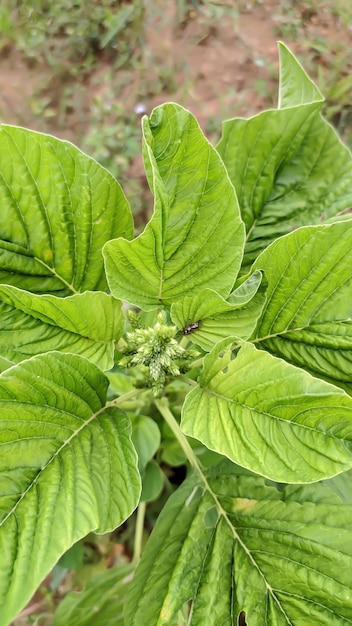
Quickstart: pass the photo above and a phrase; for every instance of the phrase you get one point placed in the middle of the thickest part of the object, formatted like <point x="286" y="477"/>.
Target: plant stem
<point x="187" y="380"/>
<point x="138" y="535"/>
<point x="125" y="397"/>
<point x="163" y="407"/>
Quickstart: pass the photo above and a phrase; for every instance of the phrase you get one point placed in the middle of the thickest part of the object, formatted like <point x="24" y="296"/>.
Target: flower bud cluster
<point x="156" y="349"/>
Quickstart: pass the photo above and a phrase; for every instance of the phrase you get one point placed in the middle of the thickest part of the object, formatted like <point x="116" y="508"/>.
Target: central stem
<point x="163" y="408"/>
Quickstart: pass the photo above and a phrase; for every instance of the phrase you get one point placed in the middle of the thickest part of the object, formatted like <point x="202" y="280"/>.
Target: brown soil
<point x="212" y="68"/>
<point x="217" y="69"/>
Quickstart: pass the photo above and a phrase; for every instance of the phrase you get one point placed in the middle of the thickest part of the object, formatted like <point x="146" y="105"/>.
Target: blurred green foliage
<point x="70" y="34"/>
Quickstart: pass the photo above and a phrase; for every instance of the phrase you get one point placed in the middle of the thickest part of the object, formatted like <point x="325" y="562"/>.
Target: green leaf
<point x="341" y="485"/>
<point x="234" y="544"/>
<point x="269" y="416"/>
<point x="116" y="24"/>
<point x="58" y="208"/>
<point x="88" y="324"/>
<point x="152" y="482"/>
<point x="72" y="558"/>
<point x="145" y="437"/>
<point x="172" y="453"/>
<point x="195" y="237"/>
<point x="100" y="604"/>
<point x="288" y="166"/>
<point x="307" y="317"/>
<point x="4" y="364"/>
<point x="120" y="382"/>
<point x="67" y="468"/>
<point x="219" y="318"/>
<point x="295" y="86"/>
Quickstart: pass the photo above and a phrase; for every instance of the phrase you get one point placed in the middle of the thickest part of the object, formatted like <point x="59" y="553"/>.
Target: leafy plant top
<point x="218" y="340"/>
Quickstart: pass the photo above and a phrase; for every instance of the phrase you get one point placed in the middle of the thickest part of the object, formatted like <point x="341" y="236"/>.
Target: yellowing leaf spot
<point x="244" y="504"/>
<point x="47" y="255"/>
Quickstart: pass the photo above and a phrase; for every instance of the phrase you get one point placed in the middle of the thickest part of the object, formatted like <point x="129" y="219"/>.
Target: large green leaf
<point x="295" y="86"/>
<point x="146" y="438"/>
<point x="288" y="166"/>
<point x="67" y="467"/>
<point x="195" y="237"/>
<point x="269" y="416"/>
<point x="218" y="318"/>
<point x="307" y="318"/>
<point x="341" y="485"/>
<point x="100" y="604"/>
<point x="58" y="208"/>
<point x="88" y="324"/>
<point x="235" y="545"/>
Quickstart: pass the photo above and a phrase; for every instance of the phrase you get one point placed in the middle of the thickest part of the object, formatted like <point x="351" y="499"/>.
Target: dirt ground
<point x="206" y="61"/>
<point x="217" y="69"/>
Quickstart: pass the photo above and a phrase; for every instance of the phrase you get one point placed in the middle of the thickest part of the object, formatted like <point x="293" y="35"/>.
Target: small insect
<point x="190" y="328"/>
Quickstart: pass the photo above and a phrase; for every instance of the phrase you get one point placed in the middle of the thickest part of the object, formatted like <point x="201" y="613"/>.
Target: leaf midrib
<point x="213" y="393"/>
<point x="50" y="460"/>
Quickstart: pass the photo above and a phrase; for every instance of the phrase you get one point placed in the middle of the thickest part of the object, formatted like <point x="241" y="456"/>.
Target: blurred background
<point x="87" y="70"/>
